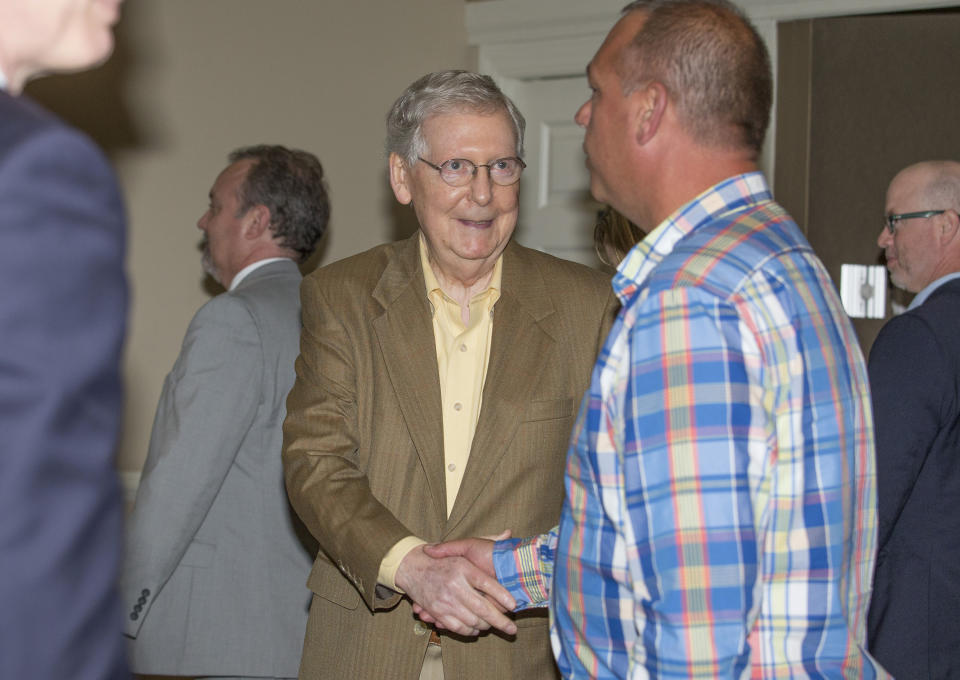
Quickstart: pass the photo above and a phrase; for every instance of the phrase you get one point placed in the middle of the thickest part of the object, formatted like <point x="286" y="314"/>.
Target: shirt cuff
<point x="391" y="561"/>
<point x="525" y="568"/>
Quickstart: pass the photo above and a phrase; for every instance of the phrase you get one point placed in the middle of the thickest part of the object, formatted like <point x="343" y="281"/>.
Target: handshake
<point x="454" y="586"/>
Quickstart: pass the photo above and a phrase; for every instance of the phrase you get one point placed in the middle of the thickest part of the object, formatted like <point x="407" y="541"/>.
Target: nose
<point x="481" y="188"/>
<point x="885" y="238"/>
<point x="582" y="117"/>
<point x="202" y="222"/>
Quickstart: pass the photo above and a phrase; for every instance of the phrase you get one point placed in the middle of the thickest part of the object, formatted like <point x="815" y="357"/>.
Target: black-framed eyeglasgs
<point x="890" y="221"/>
<point x="458" y="172"/>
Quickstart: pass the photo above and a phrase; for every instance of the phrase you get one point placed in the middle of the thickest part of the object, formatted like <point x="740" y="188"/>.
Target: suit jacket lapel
<point x="405" y="334"/>
<point x="519" y="352"/>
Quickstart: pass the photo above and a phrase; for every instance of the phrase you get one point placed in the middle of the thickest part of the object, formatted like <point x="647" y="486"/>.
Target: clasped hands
<point x="454" y="586"/>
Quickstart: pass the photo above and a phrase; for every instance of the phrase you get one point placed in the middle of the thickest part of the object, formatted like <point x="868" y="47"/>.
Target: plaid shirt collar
<point x="730" y="195"/>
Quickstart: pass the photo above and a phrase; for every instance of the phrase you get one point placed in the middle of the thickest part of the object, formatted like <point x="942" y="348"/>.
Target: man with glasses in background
<point x="436" y="388"/>
<point x="915" y="382"/>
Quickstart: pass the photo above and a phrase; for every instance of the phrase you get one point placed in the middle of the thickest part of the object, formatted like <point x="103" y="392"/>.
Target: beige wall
<point x="193" y="79"/>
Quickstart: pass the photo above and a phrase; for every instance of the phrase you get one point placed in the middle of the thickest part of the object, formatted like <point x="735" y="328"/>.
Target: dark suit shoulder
<point x="27" y="126"/>
<point x="942" y="310"/>
<point x="935" y="324"/>
<point x="23" y="117"/>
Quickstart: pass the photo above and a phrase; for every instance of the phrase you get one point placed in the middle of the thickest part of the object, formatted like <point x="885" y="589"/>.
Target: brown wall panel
<point x="881" y="92"/>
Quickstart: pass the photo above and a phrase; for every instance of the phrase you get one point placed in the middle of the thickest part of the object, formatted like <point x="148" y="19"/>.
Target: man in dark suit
<point x="915" y="380"/>
<point x="63" y="303"/>
<point x="214" y="579"/>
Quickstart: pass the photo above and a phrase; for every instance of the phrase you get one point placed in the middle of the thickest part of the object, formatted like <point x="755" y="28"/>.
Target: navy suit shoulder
<point x="915" y="385"/>
<point x="62" y="321"/>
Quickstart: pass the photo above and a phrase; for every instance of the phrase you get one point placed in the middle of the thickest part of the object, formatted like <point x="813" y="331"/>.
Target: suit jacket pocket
<point x="549" y="409"/>
<point x="198" y="554"/>
<point x="327" y="582"/>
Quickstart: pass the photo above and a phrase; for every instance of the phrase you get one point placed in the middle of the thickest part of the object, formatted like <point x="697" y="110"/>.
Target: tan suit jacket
<point x="363" y="447"/>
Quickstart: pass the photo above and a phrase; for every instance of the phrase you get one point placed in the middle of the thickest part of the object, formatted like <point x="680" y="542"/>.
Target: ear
<point x="949" y="227"/>
<point x="399" y="179"/>
<point x="256" y="222"/>
<point x="648" y="106"/>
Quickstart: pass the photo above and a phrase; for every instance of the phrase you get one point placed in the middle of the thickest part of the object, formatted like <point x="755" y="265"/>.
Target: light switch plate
<point x="863" y="290"/>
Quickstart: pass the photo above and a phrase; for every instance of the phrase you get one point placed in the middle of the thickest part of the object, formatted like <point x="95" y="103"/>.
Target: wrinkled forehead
<point x="468" y="128"/>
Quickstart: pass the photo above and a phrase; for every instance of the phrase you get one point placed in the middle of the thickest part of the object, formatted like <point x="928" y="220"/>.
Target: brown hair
<point x="713" y="64"/>
<point x="614" y="235"/>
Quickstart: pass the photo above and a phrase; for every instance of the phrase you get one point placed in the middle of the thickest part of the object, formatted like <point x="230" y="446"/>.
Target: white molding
<point x="528" y="39"/>
<point x="787" y="10"/>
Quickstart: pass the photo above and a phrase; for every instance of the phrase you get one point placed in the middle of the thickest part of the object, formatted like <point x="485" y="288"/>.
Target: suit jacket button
<point x="134" y="616"/>
<point x="419" y="628"/>
<point x="145" y="592"/>
<point x="142" y="600"/>
<point x="137" y="608"/>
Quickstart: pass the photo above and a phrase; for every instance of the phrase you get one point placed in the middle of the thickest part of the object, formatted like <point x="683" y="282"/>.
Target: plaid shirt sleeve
<point x="525" y="568"/>
<point x="660" y="503"/>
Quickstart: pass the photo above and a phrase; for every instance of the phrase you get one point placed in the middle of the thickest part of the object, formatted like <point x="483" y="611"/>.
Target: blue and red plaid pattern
<point x="720" y="517"/>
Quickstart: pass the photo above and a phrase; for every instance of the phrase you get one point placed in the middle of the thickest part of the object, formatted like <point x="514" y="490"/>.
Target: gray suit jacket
<point x="214" y="576"/>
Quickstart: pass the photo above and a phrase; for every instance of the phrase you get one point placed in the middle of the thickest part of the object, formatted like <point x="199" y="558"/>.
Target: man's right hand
<point x="455" y="594"/>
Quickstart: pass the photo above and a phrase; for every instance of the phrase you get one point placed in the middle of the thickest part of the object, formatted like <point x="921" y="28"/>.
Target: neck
<point x="14" y="77"/>
<point x="253" y="257"/>
<point x="684" y="176"/>
<point x="462" y="286"/>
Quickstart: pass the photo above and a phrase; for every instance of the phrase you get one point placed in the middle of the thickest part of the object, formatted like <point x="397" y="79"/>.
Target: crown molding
<point x="527" y="39"/>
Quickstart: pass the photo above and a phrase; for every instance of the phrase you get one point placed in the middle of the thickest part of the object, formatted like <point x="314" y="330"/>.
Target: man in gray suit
<point x="215" y="573"/>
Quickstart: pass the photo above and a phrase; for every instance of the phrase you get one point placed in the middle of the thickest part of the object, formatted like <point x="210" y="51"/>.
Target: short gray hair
<point x="713" y="63"/>
<point x="290" y="183"/>
<point x="445" y="92"/>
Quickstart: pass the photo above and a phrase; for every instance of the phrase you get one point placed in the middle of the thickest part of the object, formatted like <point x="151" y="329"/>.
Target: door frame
<point x="518" y="40"/>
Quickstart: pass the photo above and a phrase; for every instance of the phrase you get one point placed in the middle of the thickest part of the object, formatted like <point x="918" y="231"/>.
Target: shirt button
<point x="452" y="467"/>
<point x="457" y="406"/>
<point x="463" y="348"/>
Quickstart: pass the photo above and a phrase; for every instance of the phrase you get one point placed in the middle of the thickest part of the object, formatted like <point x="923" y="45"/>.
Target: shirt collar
<point x="922" y="296"/>
<point x="732" y="194"/>
<point x="250" y="268"/>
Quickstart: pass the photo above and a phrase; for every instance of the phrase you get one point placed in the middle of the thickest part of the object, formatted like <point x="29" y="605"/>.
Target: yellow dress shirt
<point x="463" y="353"/>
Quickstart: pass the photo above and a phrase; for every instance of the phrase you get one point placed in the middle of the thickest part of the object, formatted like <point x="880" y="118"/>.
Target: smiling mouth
<point x="476" y="224"/>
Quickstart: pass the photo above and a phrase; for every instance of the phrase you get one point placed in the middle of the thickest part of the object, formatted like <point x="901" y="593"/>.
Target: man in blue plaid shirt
<point x="720" y="518"/>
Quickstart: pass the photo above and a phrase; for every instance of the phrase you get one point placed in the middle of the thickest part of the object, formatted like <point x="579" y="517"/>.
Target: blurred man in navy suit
<point x="915" y="383"/>
<point x="63" y="303"/>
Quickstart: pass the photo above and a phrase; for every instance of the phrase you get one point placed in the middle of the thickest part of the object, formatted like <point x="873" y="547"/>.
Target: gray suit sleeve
<point x="208" y="403"/>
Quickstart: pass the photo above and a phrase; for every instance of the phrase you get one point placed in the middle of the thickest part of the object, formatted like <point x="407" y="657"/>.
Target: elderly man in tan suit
<point x="436" y="389"/>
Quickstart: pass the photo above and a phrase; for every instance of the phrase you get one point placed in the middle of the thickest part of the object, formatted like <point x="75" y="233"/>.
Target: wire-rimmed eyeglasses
<point x="458" y="172"/>
<point x="890" y="221"/>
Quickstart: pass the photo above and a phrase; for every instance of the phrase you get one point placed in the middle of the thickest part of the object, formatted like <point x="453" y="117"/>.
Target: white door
<point x="557" y="213"/>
